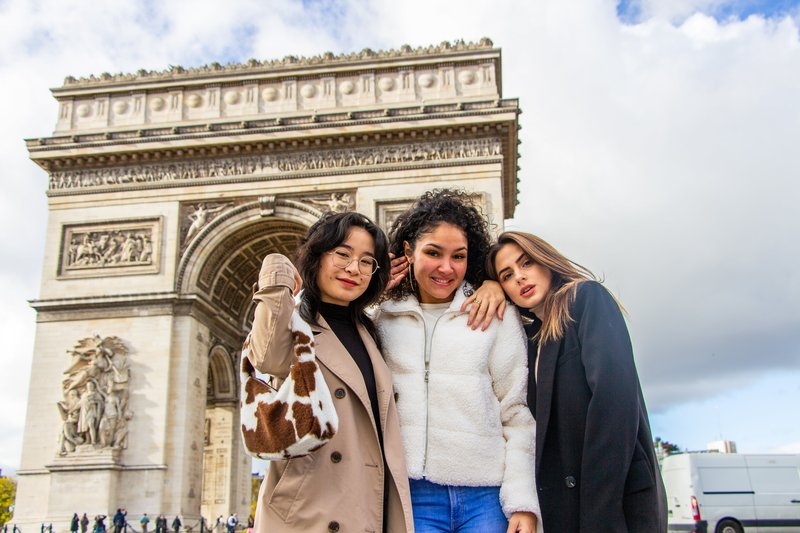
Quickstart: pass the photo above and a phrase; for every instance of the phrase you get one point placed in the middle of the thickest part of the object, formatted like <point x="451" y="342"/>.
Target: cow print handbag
<point x="296" y="418"/>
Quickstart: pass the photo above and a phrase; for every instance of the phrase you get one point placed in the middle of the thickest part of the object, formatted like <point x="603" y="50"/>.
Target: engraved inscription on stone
<point x="234" y="167"/>
<point x="110" y="248"/>
<point x="94" y="409"/>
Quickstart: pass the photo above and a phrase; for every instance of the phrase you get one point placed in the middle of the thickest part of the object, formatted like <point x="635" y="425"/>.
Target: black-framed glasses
<point x="342" y="258"/>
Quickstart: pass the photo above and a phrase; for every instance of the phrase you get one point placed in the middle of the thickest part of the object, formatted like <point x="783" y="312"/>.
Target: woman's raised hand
<point x="487" y="302"/>
<point x="398" y="272"/>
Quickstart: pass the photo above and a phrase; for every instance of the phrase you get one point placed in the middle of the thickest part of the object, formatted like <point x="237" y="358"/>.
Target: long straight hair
<point x="326" y="234"/>
<point x="566" y="276"/>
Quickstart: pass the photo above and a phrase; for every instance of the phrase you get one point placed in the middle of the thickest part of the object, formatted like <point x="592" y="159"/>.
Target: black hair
<point x="327" y="233"/>
<point x="435" y="207"/>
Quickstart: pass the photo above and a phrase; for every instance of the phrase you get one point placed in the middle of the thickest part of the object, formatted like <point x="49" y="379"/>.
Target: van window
<point x="724" y="480"/>
<point x="775" y="479"/>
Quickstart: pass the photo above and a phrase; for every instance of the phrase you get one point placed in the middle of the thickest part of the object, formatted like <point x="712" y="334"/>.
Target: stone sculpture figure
<point x="95" y="407"/>
<point x="91" y="408"/>
<point x="69" y="438"/>
<point x="338" y="202"/>
<point x="200" y="218"/>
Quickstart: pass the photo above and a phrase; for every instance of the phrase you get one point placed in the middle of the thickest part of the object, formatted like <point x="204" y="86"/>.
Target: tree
<point x="255" y="484"/>
<point x="8" y="492"/>
<point x="667" y="447"/>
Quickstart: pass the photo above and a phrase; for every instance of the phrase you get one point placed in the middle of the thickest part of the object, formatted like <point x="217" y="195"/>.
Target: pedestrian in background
<point x="231" y="523"/>
<point x="144" y="521"/>
<point x="99" y="523"/>
<point x="159" y="527"/>
<point x="119" y="520"/>
<point x="75" y="523"/>
<point x="84" y="523"/>
<point x="176" y="524"/>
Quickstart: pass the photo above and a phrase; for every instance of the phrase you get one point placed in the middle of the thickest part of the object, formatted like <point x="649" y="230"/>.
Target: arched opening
<point x="219" y="486"/>
<point x="219" y="270"/>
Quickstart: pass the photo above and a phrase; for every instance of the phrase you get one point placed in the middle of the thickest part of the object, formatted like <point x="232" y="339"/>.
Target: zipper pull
<point x="426" y="375"/>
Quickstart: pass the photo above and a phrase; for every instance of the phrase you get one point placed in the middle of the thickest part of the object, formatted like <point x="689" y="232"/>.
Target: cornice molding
<point x="288" y="63"/>
<point x="304" y="124"/>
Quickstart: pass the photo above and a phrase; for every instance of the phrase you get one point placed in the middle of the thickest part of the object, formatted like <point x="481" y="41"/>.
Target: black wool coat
<point x="596" y="469"/>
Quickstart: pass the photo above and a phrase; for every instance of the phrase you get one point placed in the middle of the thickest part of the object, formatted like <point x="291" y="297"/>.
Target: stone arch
<point x="222" y="262"/>
<point x="222" y="376"/>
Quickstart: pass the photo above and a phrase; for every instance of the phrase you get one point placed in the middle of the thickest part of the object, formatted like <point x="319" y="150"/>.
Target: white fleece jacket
<point x="471" y="427"/>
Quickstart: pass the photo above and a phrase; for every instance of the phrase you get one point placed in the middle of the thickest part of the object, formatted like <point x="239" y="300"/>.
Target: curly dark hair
<point x="435" y="207"/>
<point x="327" y="233"/>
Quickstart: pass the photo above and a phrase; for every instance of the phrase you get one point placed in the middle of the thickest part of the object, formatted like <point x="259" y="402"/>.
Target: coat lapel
<point x="383" y="377"/>
<point x="548" y="358"/>
<point x="332" y="353"/>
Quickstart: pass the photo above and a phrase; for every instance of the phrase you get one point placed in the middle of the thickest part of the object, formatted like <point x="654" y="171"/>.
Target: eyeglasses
<point x="342" y="258"/>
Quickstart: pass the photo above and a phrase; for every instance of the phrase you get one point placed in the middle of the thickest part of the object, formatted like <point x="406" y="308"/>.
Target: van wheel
<point x="729" y="526"/>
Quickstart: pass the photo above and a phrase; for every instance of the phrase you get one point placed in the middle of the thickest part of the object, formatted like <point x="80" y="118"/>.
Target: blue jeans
<point x="449" y="509"/>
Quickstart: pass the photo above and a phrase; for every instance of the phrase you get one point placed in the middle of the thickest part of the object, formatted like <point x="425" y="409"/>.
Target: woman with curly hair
<point x="596" y="468"/>
<point x="468" y="436"/>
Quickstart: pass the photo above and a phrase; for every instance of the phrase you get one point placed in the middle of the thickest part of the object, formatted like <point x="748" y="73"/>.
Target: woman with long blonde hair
<point x="596" y="469"/>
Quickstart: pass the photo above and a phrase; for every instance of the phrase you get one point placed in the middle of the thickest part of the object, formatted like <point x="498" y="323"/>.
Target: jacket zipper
<point x="427" y="355"/>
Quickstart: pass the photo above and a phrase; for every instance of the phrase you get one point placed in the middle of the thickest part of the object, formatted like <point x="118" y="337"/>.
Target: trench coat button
<point x="570" y="482"/>
<point x="339" y="394"/>
<point x="396" y="396"/>
<point x="336" y="457"/>
<point x="333" y="526"/>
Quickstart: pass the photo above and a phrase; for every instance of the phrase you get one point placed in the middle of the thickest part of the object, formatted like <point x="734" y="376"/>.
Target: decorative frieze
<point x="276" y="88"/>
<point x="288" y="62"/>
<point x="236" y="167"/>
<point x="110" y="248"/>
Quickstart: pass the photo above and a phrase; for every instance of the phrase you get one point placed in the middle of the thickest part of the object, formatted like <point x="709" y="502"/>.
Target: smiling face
<point x="340" y="286"/>
<point x="439" y="259"/>
<point x="525" y="281"/>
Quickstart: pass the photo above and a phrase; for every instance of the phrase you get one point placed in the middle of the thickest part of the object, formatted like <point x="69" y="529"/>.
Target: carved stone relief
<point x="110" y="248"/>
<point x="386" y="212"/>
<point x="95" y="409"/>
<point x="335" y="202"/>
<point x="203" y="214"/>
<point x="234" y="167"/>
<point x="195" y="216"/>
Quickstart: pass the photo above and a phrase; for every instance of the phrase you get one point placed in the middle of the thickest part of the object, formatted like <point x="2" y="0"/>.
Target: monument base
<point x="91" y="472"/>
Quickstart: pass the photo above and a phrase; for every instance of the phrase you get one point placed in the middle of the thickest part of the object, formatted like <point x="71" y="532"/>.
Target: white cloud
<point x="660" y="154"/>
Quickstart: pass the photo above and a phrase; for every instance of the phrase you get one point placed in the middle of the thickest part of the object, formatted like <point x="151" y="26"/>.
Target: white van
<point x="732" y="493"/>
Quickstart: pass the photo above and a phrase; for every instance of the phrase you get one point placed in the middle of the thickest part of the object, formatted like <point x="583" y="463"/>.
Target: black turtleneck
<point x="531" y="329"/>
<point x="339" y="319"/>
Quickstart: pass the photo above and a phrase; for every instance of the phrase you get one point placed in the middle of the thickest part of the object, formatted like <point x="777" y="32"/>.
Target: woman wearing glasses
<point x="358" y="480"/>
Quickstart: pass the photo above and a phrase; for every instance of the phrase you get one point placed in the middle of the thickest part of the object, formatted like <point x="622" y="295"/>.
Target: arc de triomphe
<point x="166" y="189"/>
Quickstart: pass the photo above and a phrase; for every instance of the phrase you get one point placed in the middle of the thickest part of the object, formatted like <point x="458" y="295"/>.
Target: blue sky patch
<point x="631" y="11"/>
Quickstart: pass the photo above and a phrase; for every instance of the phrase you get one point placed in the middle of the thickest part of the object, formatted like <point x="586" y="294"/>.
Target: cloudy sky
<point x="660" y="143"/>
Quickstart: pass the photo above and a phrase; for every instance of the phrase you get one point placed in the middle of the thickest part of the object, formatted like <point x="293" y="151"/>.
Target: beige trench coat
<point x="339" y="487"/>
